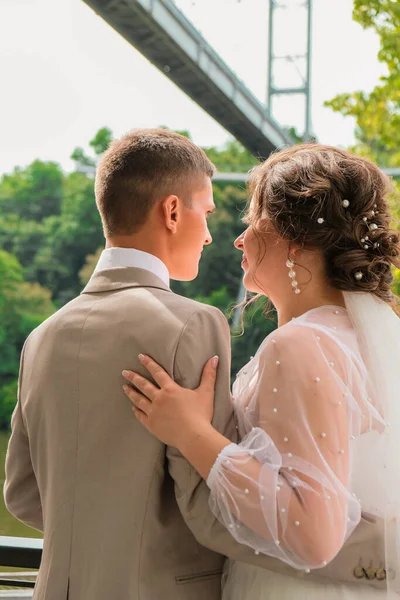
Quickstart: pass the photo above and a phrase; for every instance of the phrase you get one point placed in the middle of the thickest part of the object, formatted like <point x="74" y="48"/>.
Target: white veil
<point x="378" y="331"/>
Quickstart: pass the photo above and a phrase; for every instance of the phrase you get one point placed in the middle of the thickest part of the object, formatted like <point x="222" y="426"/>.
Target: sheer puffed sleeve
<point x="285" y="489"/>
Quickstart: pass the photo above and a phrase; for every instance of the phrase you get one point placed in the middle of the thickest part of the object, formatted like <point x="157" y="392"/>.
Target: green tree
<point x="32" y="193"/>
<point x="231" y="158"/>
<point x="377" y="113"/>
<point x="99" y="144"/>
<point x="23" y="306"/>
<point x="68" y="239"/>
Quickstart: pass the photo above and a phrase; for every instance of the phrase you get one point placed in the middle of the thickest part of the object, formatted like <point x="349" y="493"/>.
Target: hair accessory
<point x="358" y="275"/>
<point x="292" y="275"/>
<point x="346" y="203"/>
<point x="320" y="221"/>
<point x="373" y="226"/>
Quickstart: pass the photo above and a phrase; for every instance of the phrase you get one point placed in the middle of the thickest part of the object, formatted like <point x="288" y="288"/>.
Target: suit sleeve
<point x="21" y="492"/>
<point x="206" y="334"/>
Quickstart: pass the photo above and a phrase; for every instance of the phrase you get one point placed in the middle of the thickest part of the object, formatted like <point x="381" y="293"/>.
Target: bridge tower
<point x="289" y="61"/>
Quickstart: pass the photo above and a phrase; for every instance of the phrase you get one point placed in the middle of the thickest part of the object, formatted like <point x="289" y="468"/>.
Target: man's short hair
<point x="141" y="168"/>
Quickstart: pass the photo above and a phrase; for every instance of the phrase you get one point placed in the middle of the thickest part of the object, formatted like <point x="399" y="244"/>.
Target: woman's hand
<point x="170" y="412"/>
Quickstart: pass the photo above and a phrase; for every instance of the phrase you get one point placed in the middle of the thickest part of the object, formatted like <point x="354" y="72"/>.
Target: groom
<point x="123" y="516"/>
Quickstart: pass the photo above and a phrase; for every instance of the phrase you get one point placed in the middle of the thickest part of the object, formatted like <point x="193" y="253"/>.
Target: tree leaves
<point x="377" y="114"/>
<point x="23" y="306"/>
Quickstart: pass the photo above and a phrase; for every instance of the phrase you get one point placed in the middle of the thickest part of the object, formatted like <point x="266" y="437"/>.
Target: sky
<point x="65" y="73"/>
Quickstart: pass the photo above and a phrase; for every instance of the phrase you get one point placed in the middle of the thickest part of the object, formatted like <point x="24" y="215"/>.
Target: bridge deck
<point x="160" y="31"/>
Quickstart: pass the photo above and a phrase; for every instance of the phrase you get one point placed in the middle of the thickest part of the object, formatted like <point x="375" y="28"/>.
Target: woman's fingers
<point x="138" y="400"/>
<point x="209" y="374"/>
<point x="142" y="384"/>
<point x="158" y="373"/>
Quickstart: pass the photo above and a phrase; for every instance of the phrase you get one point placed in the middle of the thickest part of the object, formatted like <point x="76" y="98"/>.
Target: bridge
<point x="162" y="33"/>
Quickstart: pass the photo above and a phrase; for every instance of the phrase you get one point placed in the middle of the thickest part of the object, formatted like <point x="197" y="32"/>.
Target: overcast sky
<point x="65" y="73"/>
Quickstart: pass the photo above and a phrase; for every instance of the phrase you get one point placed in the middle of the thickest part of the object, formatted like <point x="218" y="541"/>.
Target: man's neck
<point x="136" y="242"/>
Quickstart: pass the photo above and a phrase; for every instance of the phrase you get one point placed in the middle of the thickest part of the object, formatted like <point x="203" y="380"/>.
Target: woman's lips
<point x="244" y="261"/>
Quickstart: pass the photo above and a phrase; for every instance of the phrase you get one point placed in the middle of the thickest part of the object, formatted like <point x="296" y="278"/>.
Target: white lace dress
<point x="294" y="486"/>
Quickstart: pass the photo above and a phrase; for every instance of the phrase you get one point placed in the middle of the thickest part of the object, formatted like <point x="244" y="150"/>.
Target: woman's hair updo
<point x="329" y="199"/>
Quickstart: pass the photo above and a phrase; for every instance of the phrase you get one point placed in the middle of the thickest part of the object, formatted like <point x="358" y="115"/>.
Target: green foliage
<point x="101" y="140"/>
<point x="99" y="143"/>
<point x="377" y="114"/>
<point x="32" y="193"/>
<point x="23" y="306"/>
<point x="233" y="158"/>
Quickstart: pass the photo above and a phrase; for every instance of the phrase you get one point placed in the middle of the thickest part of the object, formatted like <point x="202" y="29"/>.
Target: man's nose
<point x="208" y="239"/>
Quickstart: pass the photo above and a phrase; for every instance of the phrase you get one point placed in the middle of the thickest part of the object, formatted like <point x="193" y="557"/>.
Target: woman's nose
<point x="238" y="243"/>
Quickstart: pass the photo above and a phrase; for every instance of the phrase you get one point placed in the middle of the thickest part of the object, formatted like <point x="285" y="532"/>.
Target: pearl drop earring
<point x="292" y="275"/>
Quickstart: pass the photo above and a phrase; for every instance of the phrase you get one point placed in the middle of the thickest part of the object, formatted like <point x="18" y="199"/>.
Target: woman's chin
<point x="250" y="284"/>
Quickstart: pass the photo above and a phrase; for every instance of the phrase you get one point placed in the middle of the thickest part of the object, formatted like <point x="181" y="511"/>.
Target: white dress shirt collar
<point x="111" y="258"/>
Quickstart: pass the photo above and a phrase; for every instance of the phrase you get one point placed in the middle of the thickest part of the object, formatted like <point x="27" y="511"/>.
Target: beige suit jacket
<point x="123" y="516"/>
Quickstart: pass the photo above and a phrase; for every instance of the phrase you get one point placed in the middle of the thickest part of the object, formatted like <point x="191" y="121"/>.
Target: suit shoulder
<point x="191" y="308"/>
<point x="52" y="320"/>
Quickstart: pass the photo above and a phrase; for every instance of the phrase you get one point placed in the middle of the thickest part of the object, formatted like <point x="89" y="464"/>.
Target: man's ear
<point x="171" y="212"/>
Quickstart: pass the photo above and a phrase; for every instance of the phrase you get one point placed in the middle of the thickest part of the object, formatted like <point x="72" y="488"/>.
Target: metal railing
<point x="243" y="177"/>
<point x="19" y="552"/>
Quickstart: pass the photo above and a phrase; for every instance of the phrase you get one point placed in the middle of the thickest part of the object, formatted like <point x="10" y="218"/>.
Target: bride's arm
<point x="284" y="490"/>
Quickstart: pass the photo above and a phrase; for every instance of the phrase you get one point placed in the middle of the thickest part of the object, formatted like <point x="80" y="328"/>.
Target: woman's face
<point x="264" y="261"/>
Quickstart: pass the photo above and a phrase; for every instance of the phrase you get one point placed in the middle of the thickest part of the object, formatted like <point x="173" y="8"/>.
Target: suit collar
<point x="120" y="278"/>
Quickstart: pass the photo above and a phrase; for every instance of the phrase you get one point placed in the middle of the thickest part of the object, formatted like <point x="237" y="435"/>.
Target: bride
<point x="318" y="406"/>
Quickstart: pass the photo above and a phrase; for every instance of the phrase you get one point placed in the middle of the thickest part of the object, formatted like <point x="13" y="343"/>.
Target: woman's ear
<point x="171" y="212"/>
<point x="294" y="250"/>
